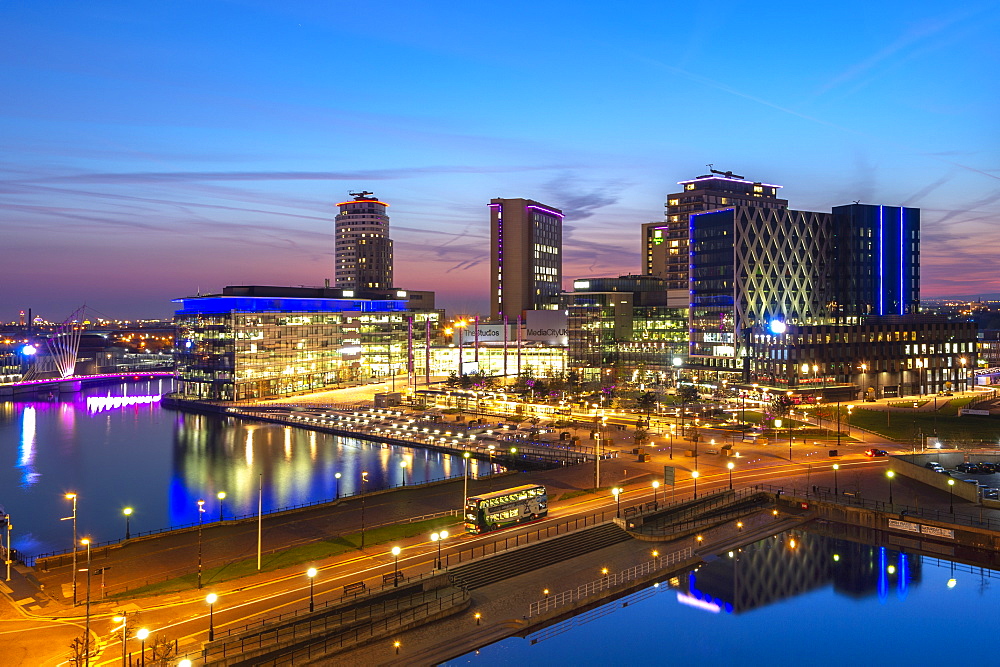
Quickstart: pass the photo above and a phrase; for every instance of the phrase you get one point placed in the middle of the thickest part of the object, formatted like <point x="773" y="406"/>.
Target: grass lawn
<point x="904" y="426"/>
<point x="305" y="553"/>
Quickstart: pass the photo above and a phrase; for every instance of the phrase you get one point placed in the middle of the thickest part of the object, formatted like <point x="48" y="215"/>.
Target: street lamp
<point x="201" y="511"/>
<point x="730" y="465"/>
<point x="465" y="486"/>
<point x="141" y="636"/>
<point x="617" y="493"/>
<point x="123" y="619"/>
<point x="221" y="495"/>
<point x="694" y="475"/>
<point x="128" y="516"/>
<point x="311" y="573"/>
<point x="656" y="485"/>
<point x="673" y="427"/>
<point x="86" y="637"/>
<point x="864" y="370"/>
<point x="491" y="448"/>
<point x="951" y="496"/>
<point x="337" y="477"/>
<point x="364" y="480"/>
<point x="210" y="599"/>
<point x="836" y="487"/>
<point x="72" y="496"/>
<point x="965" y="378"/>
<point x="890" y="474"/>
<point x="439" y="537"/>
<point x="402" y="465"/>
<point x="395" y="565"/>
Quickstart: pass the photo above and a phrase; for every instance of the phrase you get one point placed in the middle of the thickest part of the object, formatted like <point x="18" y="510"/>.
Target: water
<point x="116" y="447"/>
<point x="796" y="598"/>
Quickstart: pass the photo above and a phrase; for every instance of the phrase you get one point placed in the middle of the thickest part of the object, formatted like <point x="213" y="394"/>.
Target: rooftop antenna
<point x="727" y="174"/>
<point x="360" y="195"/>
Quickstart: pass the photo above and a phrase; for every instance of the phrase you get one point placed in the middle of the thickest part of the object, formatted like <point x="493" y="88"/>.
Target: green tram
<point x="499" y="509"/>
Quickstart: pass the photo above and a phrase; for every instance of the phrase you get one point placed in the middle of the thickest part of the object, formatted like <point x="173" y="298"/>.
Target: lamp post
<point x="673" y="427"/>
<point x="951" y="496"/>
<point x="337" y="477"/>
<point x="864" y="370"/>
<point x="730" y="465"/>
<point x="8" y="526"/>
<point x="221" y="495"/>
<point x="141" y="636"/>
<point x="123" y="619"/>
<point x="128" y="521"/>
<point x="439" y="537"/>
<point x="889" y="475"/>
<point x="72" y="496"/>
<point x="210" y="599"/>
<point x="694" y="475"/>
<point x="402" y="465"/>
<point x="836" y="487"/>
<point x="201" y="511"/>
<point x="491" y="448"/>
<point x="617" y="493"/>
<point x="395" y="565"/>
<point x="656" y="485"/>
<point x="364" y="480"/>
<point x="965" y="378"/>
<point x="458" y="328"/>
<point x="465" y="475"/>
<point x="311" y="573"/>
<point x="86" y="632"/>
<point x="920" y="379"/>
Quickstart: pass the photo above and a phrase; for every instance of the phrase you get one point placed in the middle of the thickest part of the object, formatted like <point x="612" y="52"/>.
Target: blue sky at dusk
<point x="151" y="150"/>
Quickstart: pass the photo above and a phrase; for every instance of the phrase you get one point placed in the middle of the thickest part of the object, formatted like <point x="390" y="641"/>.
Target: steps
<point x="535" y="556"/>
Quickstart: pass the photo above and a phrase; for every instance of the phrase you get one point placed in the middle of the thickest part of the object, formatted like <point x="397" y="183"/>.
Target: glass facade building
<point x="250" y="342"/>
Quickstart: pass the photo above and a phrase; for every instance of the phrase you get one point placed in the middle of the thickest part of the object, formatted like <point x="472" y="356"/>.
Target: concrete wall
<point x="912" y="466"/>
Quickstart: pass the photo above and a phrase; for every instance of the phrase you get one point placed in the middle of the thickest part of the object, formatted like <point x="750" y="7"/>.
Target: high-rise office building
<point x="824" y="304"/>
<point x="526" y="259"/>
<point x="363" y="247"/>
<point x="665" y="244"/>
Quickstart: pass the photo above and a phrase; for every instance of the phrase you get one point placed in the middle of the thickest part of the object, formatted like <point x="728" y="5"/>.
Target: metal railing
<point x="609" y="581"/>
<point x="910" y="511"/>
<point x="322" y="623"/>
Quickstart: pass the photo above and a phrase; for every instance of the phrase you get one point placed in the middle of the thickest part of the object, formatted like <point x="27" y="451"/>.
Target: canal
<point x="795" y="598"/>
<point x="116" y="447"/>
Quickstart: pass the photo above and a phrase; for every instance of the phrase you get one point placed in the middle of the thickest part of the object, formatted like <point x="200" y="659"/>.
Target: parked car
<point x="876" y="452"/>
<point x="987" y="467"/>
<point x="990" y="492"/>
<point x="966" y="467"/>
<point x="942" y="471"/>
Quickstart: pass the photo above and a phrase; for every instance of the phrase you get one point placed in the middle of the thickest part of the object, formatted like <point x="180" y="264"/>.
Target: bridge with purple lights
<point x="74" y="383"/>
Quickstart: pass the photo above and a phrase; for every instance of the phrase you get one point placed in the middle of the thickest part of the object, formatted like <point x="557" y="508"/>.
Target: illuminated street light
<point x="201" y="511"/>
<point x="86" y="640"/>
<point x="617" y="493"/>
<point x="395" y="565"/>
<point x="951" y="496"/>
<point x="72" y="496"/>
<point x="337" y="477"/>
<point x="836" y="487"/>
<point x="890" y="474"/>
<point x="730" y="465"/>
<point x="141" y="636"/>
<point x="656" y="485"/>
<point x="210" y="599"/>
<point x="128" y="516"/>
<point x="402" y="465"/>
<point x="311" y="573"/>
<point x="439" y="538"/>
<point x="695" y="475"/>
<point x="221" y="495"/>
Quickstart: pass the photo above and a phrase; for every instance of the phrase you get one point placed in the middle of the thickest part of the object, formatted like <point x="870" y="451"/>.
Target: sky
<point x="158" y="150"/>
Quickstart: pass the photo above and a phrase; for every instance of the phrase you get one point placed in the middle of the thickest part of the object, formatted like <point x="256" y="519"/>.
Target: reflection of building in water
<point x="794" y="563"/>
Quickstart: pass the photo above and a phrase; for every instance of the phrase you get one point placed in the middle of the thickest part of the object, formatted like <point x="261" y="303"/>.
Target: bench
<point x="355" y="588"/>
<point x="391" y="578"/>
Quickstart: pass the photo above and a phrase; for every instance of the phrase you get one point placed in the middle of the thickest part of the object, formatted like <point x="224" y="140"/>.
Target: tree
<point x="641" y="436"/>
<point x="688" y="393"/>
<point x="781" y="404"/>
<point x="646" y="402"/>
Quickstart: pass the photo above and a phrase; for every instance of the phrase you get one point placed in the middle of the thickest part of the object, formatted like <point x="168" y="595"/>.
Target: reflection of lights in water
<point x="686" y="599"/>
<point x="249" y="446"/>
<point x="891" y="569"/>
<point x="102" y="403"/>
<point x="26" y="456"/>
<point x="952" y="582"/>
<point x="312" y="445"/>
<point x="836" y="557"/>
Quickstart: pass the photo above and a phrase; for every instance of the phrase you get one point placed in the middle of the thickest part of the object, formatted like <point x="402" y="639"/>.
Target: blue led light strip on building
<point x="881" y="262"/>
<point x="902" y="240"/>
